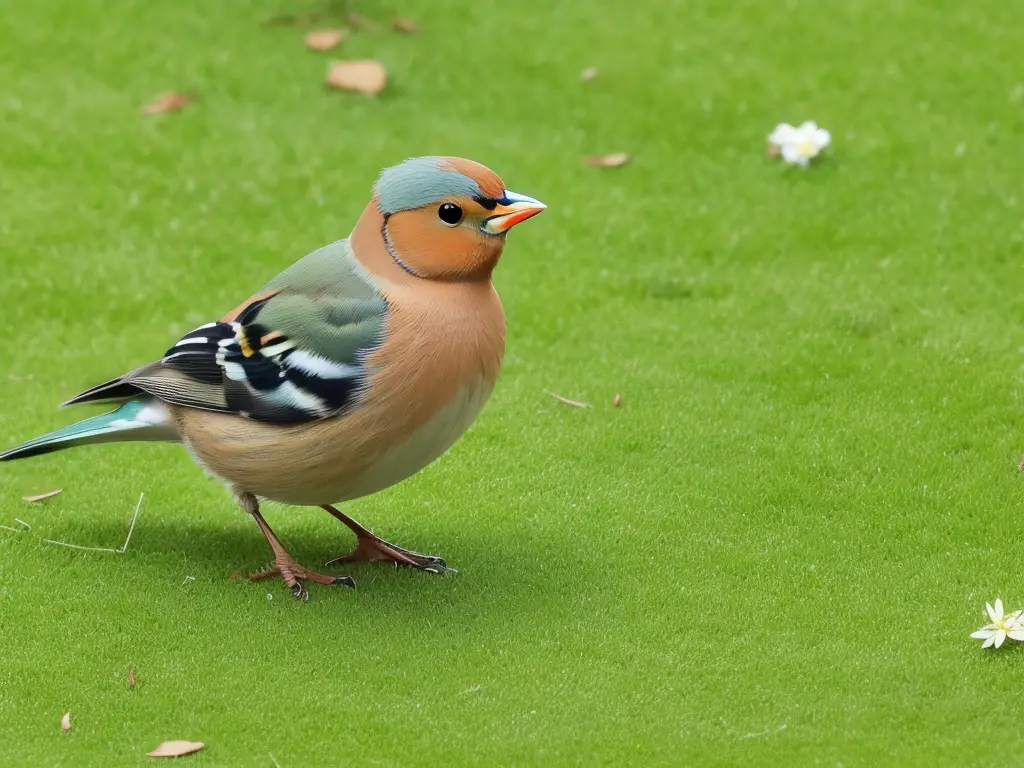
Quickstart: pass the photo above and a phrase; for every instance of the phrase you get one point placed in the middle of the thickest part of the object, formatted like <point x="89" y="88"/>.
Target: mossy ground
<point x="772" y="553"/>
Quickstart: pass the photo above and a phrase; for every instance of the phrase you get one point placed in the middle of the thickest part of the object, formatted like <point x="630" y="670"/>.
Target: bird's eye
<point x="450" y="214"/>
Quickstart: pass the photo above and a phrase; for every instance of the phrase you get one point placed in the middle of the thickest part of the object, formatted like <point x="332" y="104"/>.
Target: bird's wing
<point x="295" y="352"/>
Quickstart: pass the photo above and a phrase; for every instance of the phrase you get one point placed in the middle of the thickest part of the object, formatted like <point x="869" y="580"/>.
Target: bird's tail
<point x="140" y="419"/>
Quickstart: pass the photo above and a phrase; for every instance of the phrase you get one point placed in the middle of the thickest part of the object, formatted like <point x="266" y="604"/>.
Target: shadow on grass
<point x="499" y="576"/>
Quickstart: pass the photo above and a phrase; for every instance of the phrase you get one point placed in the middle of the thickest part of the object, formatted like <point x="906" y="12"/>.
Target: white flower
<point x="799" y="145"/>
<point x="1002" y="626"/>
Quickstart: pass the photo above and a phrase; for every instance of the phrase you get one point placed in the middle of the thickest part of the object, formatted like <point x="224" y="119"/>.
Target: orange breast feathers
<point x="440" y="338"/>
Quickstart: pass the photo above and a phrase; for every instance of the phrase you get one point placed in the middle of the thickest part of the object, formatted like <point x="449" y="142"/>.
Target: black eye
<point x="450" y="214"/>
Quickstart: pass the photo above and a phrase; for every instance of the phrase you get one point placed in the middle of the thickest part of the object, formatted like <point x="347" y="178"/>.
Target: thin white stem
<point x="132" y="527"/>
<point x="119" y="551"/>
<point x="79" y="546"/>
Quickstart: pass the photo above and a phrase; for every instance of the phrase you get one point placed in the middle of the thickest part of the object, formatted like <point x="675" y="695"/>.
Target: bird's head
<point x="445" y="218"/>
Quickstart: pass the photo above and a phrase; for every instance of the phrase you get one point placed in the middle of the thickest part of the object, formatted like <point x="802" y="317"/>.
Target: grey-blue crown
<point x="421" y="181"/>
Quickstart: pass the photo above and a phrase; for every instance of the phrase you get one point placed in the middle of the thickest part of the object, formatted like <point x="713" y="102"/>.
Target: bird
<point x="352" y="370"/>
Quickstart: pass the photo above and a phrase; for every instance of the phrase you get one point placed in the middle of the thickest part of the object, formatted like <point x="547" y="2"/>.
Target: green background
<point x="772" y="553"/>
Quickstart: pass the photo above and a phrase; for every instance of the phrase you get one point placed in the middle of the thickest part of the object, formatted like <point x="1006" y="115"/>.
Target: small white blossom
<point x="1002" y="626"/>
<point x="800" y="144"/>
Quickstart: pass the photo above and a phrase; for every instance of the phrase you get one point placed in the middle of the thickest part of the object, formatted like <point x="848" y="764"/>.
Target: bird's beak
<point x="511" y="210"/>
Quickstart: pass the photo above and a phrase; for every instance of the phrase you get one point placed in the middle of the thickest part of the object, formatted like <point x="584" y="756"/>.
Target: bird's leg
<point x="285" y="565"/>
<point x="374" y="548"/>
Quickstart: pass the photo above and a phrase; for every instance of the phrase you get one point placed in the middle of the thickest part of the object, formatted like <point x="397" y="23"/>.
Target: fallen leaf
<point x="613" y="160"/>
<point x="65" y="722"/>
<point x="408" y="26"/>
<point x="567" y="401"/>
<point x="167" y="102"/>
<point x="235" y="576"/>
<point x="588" y="74"/>
<point x="325" y="39"/>
<point x="41" y="496"/>
<point x="176" y="748"/>
<point x="131" y="679"/>
<point x="360" y="22"/>
<point x="617" y="401"/>
<point x="366" y="76"/>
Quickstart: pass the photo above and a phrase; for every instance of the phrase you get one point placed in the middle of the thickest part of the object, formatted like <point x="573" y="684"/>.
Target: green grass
<point x="772" y="553"/>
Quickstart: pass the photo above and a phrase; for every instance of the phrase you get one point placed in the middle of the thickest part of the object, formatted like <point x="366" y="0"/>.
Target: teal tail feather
<point x="141" y="419"/>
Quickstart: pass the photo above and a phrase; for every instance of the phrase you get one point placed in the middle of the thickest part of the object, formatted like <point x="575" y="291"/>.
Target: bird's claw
<point x="372" y="549"/>
<point x="299" y="591"/>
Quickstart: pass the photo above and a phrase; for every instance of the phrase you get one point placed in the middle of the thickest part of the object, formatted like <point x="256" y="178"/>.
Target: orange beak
<point x="511" y="210"/>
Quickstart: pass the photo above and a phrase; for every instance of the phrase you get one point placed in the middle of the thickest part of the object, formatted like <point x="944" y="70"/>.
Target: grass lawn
<point x="772" y="553"/>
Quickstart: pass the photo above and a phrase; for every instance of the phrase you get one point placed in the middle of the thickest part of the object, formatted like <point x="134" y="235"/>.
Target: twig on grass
<point x="763" y="734"/>
<point x="41" y="496"/>
<point x="120" y="550"/>
<point x="567" y="401"/>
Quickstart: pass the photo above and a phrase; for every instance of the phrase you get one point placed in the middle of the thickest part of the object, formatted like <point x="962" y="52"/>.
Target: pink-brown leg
<point x="285" y="565"/>
<point x="373" y="548"/>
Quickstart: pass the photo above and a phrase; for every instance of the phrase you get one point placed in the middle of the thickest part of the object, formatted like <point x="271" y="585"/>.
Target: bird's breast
<point x="428" y="380"/>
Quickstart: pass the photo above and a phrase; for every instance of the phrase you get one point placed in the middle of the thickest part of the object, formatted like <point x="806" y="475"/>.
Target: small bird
<point x="348" y="372"/>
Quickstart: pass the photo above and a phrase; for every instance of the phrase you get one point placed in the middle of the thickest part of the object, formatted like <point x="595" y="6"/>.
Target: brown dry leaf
<point x="589" y="74"/>
<point x="408" y="26"/>
<point x="41" y="496"/>
<point x="131" y="679"/>
<point x="365" y="76"/>
<point x="176" y="748"/>
<point x="360" y="22"/>
<point x="325" y="39"/>
<point x="235" y="576"/>
<point x="567" y="401"/>
<point x="613" y="160"/>
<point x="65" y="722"/>
<point x="617" y="401"/>
<point x="167" y="102"/>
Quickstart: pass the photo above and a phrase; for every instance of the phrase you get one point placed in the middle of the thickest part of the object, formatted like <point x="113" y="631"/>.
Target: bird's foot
<point x="294" y="576"/>
<point x="374" y="549"/>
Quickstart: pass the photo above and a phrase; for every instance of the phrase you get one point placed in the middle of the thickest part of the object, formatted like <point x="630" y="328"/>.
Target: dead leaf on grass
<point x="176" y="748"/>
<point x="65" y="722"/>
<point x="325" y="39"/>
<point x="407" y="26"/>
<point x="617" y="401"/>
<point x="613" y="160"/>
<point x="567" y="401"/>
<point x="167" y="102"/>
<point x="235" y="576"/>
<point x="131" y="679"/>
<point x="41" y="496"/>
<point x="359" y="22"/>
<point x="366" y="76"/>
<point x="589" y="74"/>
